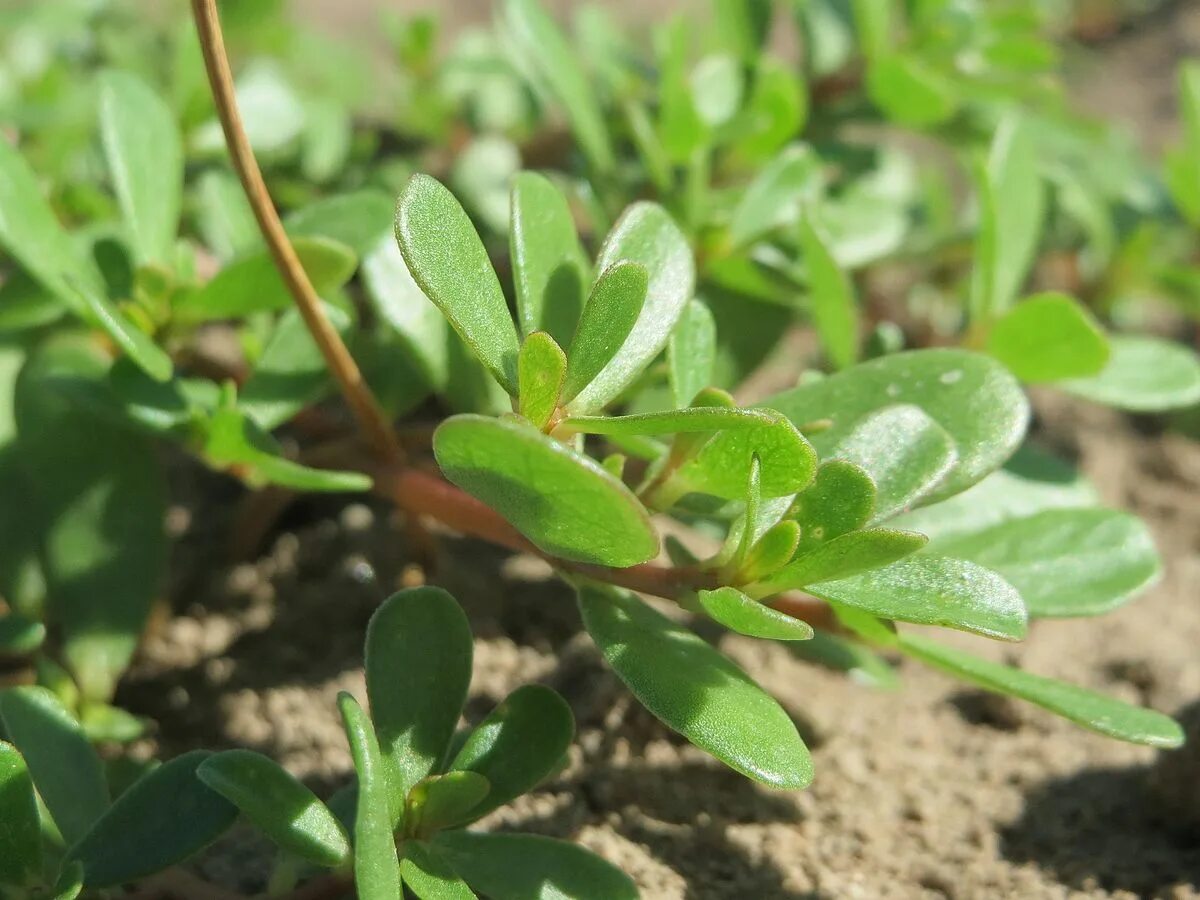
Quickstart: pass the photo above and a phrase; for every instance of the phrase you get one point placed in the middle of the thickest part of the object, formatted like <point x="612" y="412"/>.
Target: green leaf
<point x="20" y="827"/>
<point x="359" y="219"/>
<point x="223" y="215"/>
<point x="1091" y="710"/>
<point x="834" y="309"/>
<point x="418" y="661"/>
<point x="20" y="636"/>
<point x="531" y="867"/>
<point x="166" y="816"/>
<point x="774" y="198"/>
<point x="775" y="112"/>
<point x="840" y="499"/>
<point x="31" y="233"/>
<point x="743" y="26"/>
<point x="134" y="342"/>
<point x="722" y="466"/>
<point x="450" y="264"/>
<point x="739" y="613"/>
<point x="1012" y="210"/>
<point x="562" y="501"/>
<point x="1030" y="482"/>
<point x="929" y="590"/>
<point x="692" y="420"/>
<point x="541" y="368"/>
<point x="1183" y="162"/>
<point x="694" y="689"/>
<point x="972" y="397"/>
<point x="1064" y="562"/>
<point x="427" y="874"/>
<point x="64" y="767"/>
<point x="605" y="324"/>
<point x="911" y="92"/>
<point x="234" y="440"/>
<point x="145" y="160"/>
<point x="291" y="373"/>
<point x="70" y="882"/>
<point x="645" y="234"/>
<point x="280" y="806"/>
<point x="104" y="723"/>
<point x="680" y="127"/>
<point x="253" y="284"/>
<point x="716" y="85"/>
<point x="841" y="557"/>
<point x="98" y="505"/>
<point x="1143" y="375"/>
<point x="771" y="551"/>
<point x="541" y="42"/>
<point x="550" y="269"/>
<point x="376" y="863"/>
<point x="1049" y="337"/>
<point x="691" y="353"/>
<point x="518" y="745"/>
<point x="906" y="453"/>
<point x="442" y="801"/>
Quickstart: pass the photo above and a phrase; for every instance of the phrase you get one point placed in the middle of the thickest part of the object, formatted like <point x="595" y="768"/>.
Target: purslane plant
<point x="586" y="394"/>
<point x="403" y="820"/>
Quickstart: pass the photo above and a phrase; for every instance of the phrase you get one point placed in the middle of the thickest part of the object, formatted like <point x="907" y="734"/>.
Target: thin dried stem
<point x="367" y="411"/>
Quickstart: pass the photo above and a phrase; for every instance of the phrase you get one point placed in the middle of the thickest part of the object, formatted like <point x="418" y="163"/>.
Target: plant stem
<point x="367" y="411"/>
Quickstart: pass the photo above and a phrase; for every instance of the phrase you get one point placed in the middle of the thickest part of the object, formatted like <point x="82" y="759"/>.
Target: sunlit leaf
<point x="376" y="864"/>
<point x="841" y="557"/>
<point x="608" y="317"/>
<point x="1143" y="375"/>
<point x="1049" y="337"/>
<point x="739" y="613"/>
<point x="21" y="833"/>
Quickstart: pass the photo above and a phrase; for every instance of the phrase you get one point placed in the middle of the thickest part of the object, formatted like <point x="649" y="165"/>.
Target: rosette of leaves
<point x="814" y="488"/>
<point x="404" y="820"/>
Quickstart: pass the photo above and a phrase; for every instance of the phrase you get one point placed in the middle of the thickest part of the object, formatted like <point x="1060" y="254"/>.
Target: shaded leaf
<point x="840" y="499"/>
<point x="20" y="828"/>
<point x="541" y="367"/>
<point x="441" y="801"/>
<point x="841" y="557"/>
<point x="376" y="863"/>
<point x="531" y="867"/>
<point x="1105" y="715"/>
<point x="418" y="661"/>
<point x="834" y="309"/>
<point x="605" y="324"/>
<point x="279" y="805"/>
<point x="562" y="501"/>
<point x="450" y="264"/>
<point x="359" y="219"/>
<point x="518" y="745"/>
<point x="694" y="689"/>
<point x="429" y="876"/>
<point x="20" y="636"/>
<point x="163" y="818"/>
<point x="691" y="353"/>
<point x="846" y="655"/>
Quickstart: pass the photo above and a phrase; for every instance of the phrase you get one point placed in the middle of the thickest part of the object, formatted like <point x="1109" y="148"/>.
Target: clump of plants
<point x="611" y="242"/>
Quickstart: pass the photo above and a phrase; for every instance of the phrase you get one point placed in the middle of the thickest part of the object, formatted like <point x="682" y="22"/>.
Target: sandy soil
<point x="931" y="791"/>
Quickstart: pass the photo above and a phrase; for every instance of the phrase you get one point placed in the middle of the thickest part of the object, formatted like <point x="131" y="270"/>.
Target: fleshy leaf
<point x="450" y="264"/>
<point x="607" y="319"/>
<point x="563" y="502"/>
<point x="926" y="590"/>
<point x="1143" y="375"/>
<point x="972" y="397"/>
<point x="840" y="499"/>
<point x="691" y="353"/>
<point x="442" y="801"/>
<point x="518" y="745"/>
<point x="1064" y="562"/>
<point x="645" y="234"/>
<point x="376" y="863"/>
<point x="429" y="876"/>
<point x="253" y="284"/>
<point x="1049" y="337"/>
<point x="694" y="689"/>
<point x="550" y="269"/>
<point x="771" y="551"/>
<point x="831" y="297"/>
<point x="134" y="342"/>
<point x="1096" y="712"/>
<point x="359" y="219"/>
<point x="279" y="805"/>
<point x="20" y="636"/>
<point x="531" y="867"/>
<point x="541" y="367"/>
<point x="739" y="613"/>
<point x="163" y="818"/>
<point x="773" y="199"/>
<point x="906" y="453"/>
<point x="145" y="159"/>
<point x="841" y="557"/>
<point x="1013" y="204"/>
<point x="556" y="61"/>
<point x="692" y="420"/>
<point x="722" y="466"/>
<point x="20" y="833"/>
<point x="418" y="660"/>
<point x="911" y="92"/>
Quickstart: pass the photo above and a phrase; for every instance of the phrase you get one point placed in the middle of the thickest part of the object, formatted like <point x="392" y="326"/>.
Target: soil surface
<point x="934" y="790"/>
